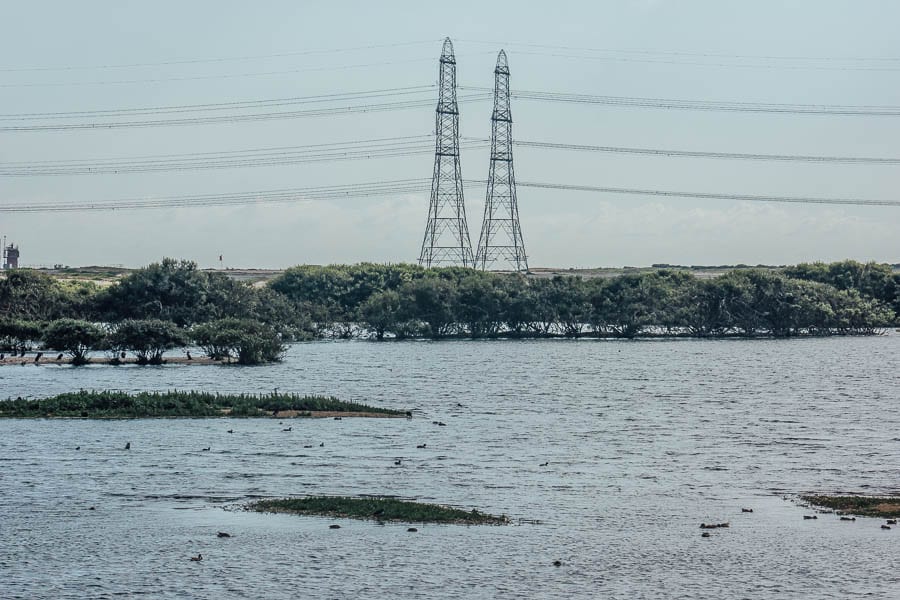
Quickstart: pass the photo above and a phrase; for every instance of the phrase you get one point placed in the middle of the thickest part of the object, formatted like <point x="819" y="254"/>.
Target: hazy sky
<point x="75" y="56"/>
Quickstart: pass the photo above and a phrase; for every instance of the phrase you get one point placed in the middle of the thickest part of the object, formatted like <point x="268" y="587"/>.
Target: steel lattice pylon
<point x="447" y="239"/>
<point x="501" y="235"/>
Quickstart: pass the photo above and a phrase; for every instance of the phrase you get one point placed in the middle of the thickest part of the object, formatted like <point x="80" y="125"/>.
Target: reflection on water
<point x="644" y="441"/>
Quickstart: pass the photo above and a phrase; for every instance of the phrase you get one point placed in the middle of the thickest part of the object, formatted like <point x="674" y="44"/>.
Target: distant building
<point x="11" y="257"/>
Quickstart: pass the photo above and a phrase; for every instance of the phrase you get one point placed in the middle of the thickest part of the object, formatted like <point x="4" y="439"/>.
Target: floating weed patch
<point x="376" y="508"/>
<point x="122" y="405"/>
<point x="867" y="506"/>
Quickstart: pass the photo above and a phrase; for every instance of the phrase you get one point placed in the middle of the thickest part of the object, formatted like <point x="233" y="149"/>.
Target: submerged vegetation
<point x="173" y="304"/>
<point x="866" y="506"/>
<point x="115" y="404"/>
<point x="376" y="508"/>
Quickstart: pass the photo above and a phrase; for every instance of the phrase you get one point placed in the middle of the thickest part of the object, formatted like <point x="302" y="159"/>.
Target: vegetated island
<point x="865" y="506"/>
<point x="376" y="509"/>
<point x="122" y="405"/>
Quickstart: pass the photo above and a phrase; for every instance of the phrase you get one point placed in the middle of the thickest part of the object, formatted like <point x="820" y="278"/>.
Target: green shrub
<point x="147" y="339"/>
<point x="74" y="337"/>
<point x="15" y="334"/>
<point x="250" y="342"/>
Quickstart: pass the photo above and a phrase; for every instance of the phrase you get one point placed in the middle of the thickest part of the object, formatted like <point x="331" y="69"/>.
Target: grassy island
<point x="122" y="405"/>
<point x="375" y="508"/>
<point x="866" y="506"/>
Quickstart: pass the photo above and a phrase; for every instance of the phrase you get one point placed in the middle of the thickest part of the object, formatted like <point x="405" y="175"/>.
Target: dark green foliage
<point x="381" y="313"/>
<point x="407" y="301"/>
<point x="114" y="404"/>
<point x="170" y="290"/>
<point x="337" y="292"/>
<point x="376" y="508"/>
<point x="867" y="506"/>
<point x="178" y="291"/>
<point x="147" y="339"/>
<point x="74" y="337"/>
<point x="34" y="296"/>
<point x="430" y="301"/>
<point x="404" y="301"/>
<point x="625" y="306"/>
<point x="16" y="334"/>
<point x="250" y="342"/>
<point x="876" y="281"/>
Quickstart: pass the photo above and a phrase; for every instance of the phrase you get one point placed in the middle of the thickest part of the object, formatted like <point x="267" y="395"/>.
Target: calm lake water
<point x="644" y="439"/>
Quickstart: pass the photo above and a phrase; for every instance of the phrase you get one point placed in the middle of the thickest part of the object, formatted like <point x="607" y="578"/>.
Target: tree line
<point x="173" y="303"/>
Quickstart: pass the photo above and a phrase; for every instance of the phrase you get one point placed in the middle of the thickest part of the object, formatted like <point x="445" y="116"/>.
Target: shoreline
<point x="114" y="404"/>
<point x="300" y="414"/>
<point x="28" y="360"/>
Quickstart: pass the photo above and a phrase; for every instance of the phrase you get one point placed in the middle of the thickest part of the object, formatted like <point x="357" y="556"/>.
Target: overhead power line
<point x="237" y="118"/>
<point x="321" y="68"/>
<point x="220" y="106"/>
<point x="361" y="149"/>
<point x="194" y="61"/>
<point x="708" y="195"/>
<point x="393" y="188"/>
<point x="256" y="157"/>
<point x="710" y="154"/>
<point x="703" y="105"/>
<point x="707" y="63"/>
<point x="233" y="112"/>
<point x="645" y="51"/>
<point x="334" y="192"/>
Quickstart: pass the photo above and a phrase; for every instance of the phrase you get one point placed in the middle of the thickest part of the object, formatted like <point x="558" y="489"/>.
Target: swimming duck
<point x="197" y="558"/>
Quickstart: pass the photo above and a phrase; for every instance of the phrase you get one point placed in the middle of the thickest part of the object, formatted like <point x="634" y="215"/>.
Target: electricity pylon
<point x="447" y="239"/>
<point x="501" y="235"/>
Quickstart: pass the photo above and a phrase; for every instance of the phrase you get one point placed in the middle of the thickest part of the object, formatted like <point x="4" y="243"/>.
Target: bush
<point x="15" y="334"/>
<point x="147" y="339"/>
<point x="250" y="342"/>
<point x="73" y="337"/>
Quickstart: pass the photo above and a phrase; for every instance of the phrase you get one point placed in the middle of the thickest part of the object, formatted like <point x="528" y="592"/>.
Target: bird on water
<point x="128" y="446"/>
<point x="197" y="558"/>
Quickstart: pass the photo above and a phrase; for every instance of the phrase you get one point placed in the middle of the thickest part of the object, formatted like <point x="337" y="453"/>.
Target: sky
<point x="111" y="55"/>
